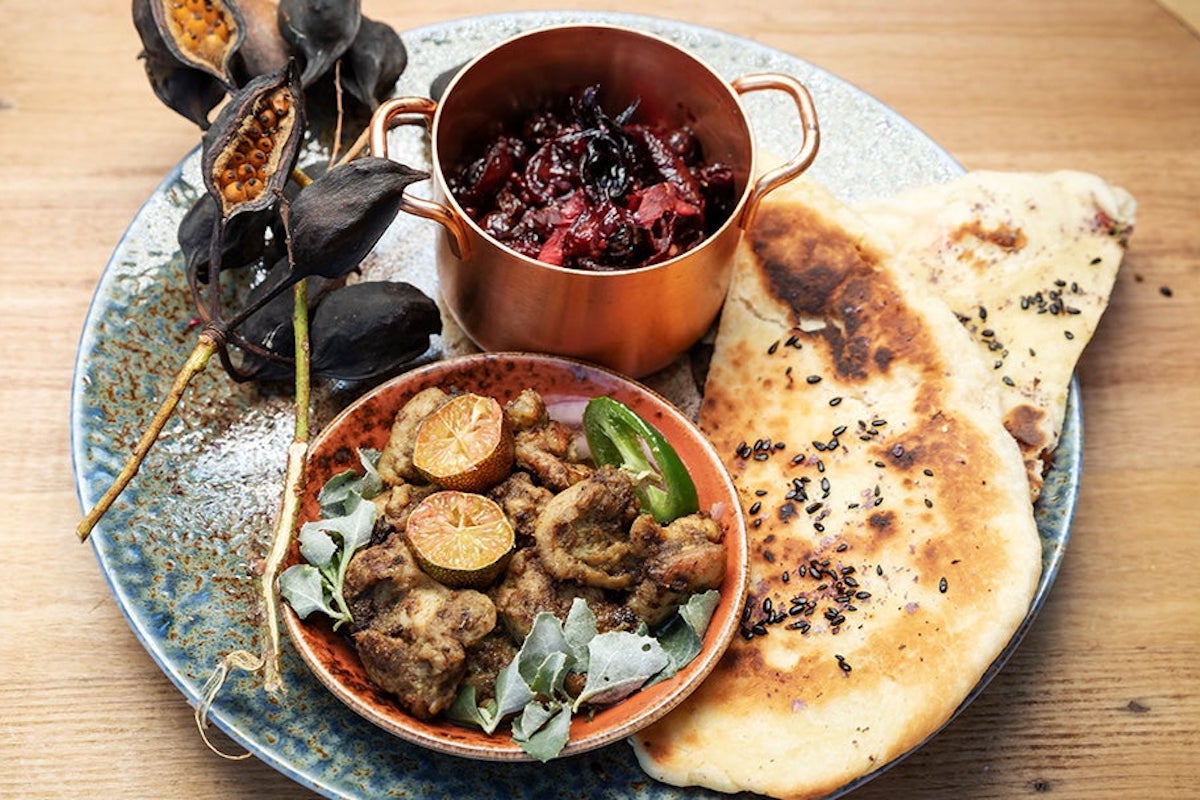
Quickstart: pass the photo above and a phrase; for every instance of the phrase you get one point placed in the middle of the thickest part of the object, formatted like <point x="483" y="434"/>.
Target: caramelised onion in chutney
<point x="573" y="187"/>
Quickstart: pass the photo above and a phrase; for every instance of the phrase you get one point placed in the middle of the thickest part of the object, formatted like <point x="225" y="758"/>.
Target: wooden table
<point x="1103" y="698"/>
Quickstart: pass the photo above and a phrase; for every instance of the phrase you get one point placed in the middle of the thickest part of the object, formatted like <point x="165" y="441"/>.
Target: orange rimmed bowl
<point x="366" y="424"/>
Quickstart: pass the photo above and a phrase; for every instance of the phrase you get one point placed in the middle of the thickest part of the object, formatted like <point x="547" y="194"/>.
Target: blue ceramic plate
<point x="181" y="546"/>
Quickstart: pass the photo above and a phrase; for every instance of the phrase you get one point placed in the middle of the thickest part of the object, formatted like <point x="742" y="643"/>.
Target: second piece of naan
<point x="1027" y="261"/>
<point x="893" y="546"/>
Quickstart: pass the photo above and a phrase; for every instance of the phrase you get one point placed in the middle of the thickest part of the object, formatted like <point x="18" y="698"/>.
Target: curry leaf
<point x="317" y="547"/>
<point x="302" y="587"/>
<point x="578" y="630"/>
<point x="546" y="739"/>
<point x="344" y="491"/>
<point x="619" y="664"/>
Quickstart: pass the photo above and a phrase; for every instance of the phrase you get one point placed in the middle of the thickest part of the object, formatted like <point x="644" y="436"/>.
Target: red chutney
<point x="573" y="187"/>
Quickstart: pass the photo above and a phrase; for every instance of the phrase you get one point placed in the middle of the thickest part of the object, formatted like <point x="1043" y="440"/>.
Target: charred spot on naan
<point x="839" y="295"/>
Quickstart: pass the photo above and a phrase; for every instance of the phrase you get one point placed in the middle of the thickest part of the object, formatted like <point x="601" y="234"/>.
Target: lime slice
<point x="465" y="445"/>
<point x="460" y="539"/>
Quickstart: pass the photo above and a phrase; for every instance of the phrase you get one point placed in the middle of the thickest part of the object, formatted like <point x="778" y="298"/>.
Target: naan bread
<point x="1027" y="261"/>
<point x="893" y="545"/>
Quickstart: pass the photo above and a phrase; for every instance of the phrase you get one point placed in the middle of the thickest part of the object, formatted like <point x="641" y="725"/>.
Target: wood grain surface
<point x="1102" y="701"/>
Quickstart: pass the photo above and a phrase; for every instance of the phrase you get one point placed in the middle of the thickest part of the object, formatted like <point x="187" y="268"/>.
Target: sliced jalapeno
<point x="618" y="436"/>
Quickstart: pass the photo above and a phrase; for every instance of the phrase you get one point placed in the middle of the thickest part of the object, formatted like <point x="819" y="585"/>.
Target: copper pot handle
<point x="416" y="111"/>
<point x="810" y="133"/>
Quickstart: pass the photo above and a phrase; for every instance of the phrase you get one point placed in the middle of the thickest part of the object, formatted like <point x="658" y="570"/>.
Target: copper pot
<point x="635" y="321"/>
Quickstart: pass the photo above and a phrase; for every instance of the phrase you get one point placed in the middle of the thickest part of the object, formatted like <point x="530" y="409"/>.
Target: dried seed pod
<point x="268" y="107"/>
<point x="189" y="92"/>
<point x="437" y="87"/>
<point x="200" y="34"/>
<point x="263" y="50"/>
<point x="340" y="216"/>
<point x="367" y="330"/>
<point x="320" y="31"/>
<point x="374" y="63"/>
<point x="266" y="337"/>
<point x="243" y="242"/>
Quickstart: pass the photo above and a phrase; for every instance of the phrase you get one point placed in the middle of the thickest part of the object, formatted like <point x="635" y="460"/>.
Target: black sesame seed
<point x="853" y="584"/>
<point x="862" y="595"/>
<point x="982" y="312"/>
<point x="759" y="629"/>
<point x="813" y="379"/>
<point x="799" y="459"/>
<point x="774" y="346"/>
<point x="839" y="430"/>
<point x="812" y="508"/>
<point x="1096" y="260"/>
<point x="927" y="472"/>
<point x="760" y="492"/>
<point x="841" y="548"/>
<point x="1165" y="291"/>
<point x="1068" y="334"/>
<point x="835" y="401"/>
<point x="1008" y="381"/>
<point x="818" y="527"/>
<point x="819" y="445"/>
<point x="785" y="577"/>
<point x="757" y="523"/>
<point x="820" y="465"/>
<point x="878" y="569"/>
<point x="879" y="422"/>
<point x="754" y="509"/>
<point x="928" y="503"/>
<point x="942" y="586"/>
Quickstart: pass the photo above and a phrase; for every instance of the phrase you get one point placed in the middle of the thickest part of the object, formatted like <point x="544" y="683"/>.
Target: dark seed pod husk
<point x="243" y="242"/>
<point x="338" y="218"/>
<point x="263" y="50"/>
<point x="266" y="337"/>
<point x="251" y="148"/>
<point x="188" y="92"/>
<point x="437" y="87"/>
<point x="374" y="63"/>
<point x="320" y="31"/>
<point x="367" y="330"/>
<point x="199" y="34"/>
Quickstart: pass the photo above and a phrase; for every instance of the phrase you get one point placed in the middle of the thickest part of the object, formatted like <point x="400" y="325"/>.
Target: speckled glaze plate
<point x="181" y="546"/>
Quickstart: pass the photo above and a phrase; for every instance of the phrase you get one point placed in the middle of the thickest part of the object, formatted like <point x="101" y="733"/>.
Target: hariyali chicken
<point x="579" y="532"/>
<point x="412" y="633"/>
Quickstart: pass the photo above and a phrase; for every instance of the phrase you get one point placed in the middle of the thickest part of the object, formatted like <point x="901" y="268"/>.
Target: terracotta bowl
<point x="366" y="424"/>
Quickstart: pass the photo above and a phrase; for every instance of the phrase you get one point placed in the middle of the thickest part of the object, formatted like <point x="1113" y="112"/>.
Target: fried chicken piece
<point x="412" y="633"/>
<point x="522" y="501"/>
<point x="679" y="560"/>
<point x="485" y="660"/>
<point x="582" y="534"/>
<point x="544" y="447"/>
<point x="528" y="589"/>
<point x="526" y="410"/>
